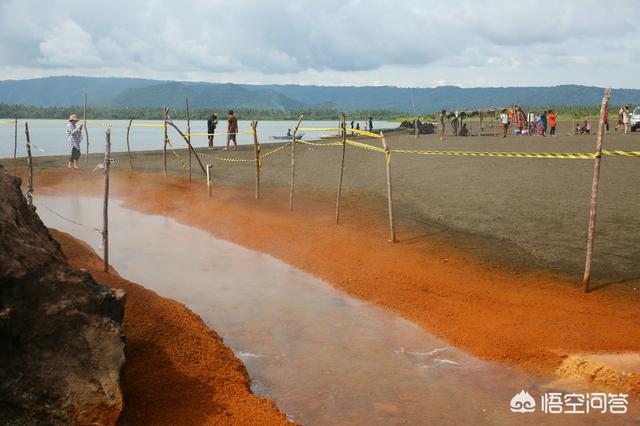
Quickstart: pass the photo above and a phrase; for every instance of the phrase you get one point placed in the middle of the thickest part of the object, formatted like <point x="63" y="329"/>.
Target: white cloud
<point x="68" y="45"/>
<point x="408" y="43"/>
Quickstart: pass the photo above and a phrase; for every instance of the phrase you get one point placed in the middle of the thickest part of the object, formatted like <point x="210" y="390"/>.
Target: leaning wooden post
<point x="193" y="151"/>
<point x="344" y="149"/>
<point x="293" y="163"/>
<point x="15" y="142"/>
<point x="128" y="146"/>
<point x="86" y="132"/>
<point x="164" y="145"/>
<point x="387" y="152"/>
<point x="186" y="100"/>
<point x="105" y="206"/>
<point x="594" y="193"/>
<point x="209" y="179"/>
<point x="256" y="147"/>
<point x="415" y="127"/>
<point x="29" y="194"/>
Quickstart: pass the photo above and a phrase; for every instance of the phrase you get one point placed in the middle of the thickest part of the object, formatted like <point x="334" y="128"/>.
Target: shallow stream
<point x="322" y="356"/>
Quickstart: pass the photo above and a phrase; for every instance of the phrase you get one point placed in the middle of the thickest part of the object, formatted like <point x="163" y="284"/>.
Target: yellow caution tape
<point x="578" y="156"/>
<point x="365" y="133"/>
<point x="273" y="151"/>
<point x="621" y="153"/>
<point x="318" y="143"/>
<point x="364" y="146"/>
<point x="175" y="154"/>
<point x="319" y="129"/>
<point x="219" y="134"/>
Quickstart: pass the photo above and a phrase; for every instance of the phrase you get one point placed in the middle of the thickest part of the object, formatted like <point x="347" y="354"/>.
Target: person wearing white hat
<point x="74" y="137"/>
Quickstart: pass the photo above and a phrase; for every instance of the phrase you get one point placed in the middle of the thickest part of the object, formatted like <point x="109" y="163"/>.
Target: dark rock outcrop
<point x="61" y="336"/>
<point x="424" y="128"/>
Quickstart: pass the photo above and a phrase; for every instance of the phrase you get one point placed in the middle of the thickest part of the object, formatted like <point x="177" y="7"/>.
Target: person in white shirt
<point x="504" y="121"/>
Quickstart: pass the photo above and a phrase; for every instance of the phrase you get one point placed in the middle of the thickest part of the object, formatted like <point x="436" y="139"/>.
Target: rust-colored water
<point x="321" y="355"/>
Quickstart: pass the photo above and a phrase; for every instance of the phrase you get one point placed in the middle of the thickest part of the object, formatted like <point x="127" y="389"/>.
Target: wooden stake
<point x="344" y="149"/>
<point x="105" y="206"/>
<point x="586" y="279"/>
<point x="186" y="100"/>
<point x="256" y="147"/>
<point x="387" y="152"/>
<point x="164" y="145"/>
<point x="195" y="153"/>
<point x="415" y="127"/>
<point x="293" y="164"/>
<point x="209" y="179"/>
<point x="29" y="194"/>
<point x="15" y="143"/>
<point x="86" y="132"/>
<point x="128" y="147"/>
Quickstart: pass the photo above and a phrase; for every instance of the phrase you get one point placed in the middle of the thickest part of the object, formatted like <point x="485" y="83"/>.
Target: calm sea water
<point x="49" y="138"/>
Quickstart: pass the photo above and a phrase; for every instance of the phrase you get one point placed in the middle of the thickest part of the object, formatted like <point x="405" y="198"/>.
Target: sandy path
<point x="177" y="371"/>
<point x="527" y="318"/>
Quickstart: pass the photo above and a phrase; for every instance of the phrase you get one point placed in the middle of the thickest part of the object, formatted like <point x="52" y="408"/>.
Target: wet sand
<point x="529" y="213"/>
<point x="528" y="318"/>
<point x="178" y="371"/>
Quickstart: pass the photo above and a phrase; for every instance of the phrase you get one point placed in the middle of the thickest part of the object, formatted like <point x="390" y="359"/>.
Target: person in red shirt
<point x="552" y="122"/>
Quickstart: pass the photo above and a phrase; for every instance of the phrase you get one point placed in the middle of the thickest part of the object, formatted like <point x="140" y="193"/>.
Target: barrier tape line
<point x="561" y="155"/>
<point x="364" y="133"/>
<point x="273" y="151"/>
<point x="616" y="152"/>
<point x="364" y="146"/>
<point x="319" y="129"/>
<point x="175" y="154"/>
<point x="318" y="143"/>
<point x="219" y="134"/>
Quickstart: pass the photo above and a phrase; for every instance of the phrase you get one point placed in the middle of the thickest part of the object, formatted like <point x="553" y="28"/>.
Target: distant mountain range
<point x="133" y="92"/>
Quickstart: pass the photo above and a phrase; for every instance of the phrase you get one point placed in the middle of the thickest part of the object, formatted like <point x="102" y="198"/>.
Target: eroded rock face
<point x="61" y="336"/>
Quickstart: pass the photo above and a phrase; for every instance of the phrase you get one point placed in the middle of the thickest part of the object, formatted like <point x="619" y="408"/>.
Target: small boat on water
<point x="287" y="138"/>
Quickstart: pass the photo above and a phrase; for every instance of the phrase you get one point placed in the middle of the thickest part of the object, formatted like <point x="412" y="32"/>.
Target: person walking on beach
<point x="371" y="124"/>
<point x="543" y="122"/>
<point x="232" y="130"/>
<point x="620" y="117"/>
<point x="605" y="120"/>
<point x="443" y="114"/>
<point x="504" y="121"/>
<point x="626" y="116"/>
<point x="212" y="123"/>
<point x="552" y="123"/>
<point x="352" y="127"/>
<point x="74" y="137"/>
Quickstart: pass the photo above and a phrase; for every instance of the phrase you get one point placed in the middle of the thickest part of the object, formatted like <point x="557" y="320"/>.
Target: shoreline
<point x="531" y="319"/>
<point x="177" y="370"/>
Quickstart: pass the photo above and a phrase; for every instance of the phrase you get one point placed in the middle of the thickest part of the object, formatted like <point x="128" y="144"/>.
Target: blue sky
<point x="419" y="43"/>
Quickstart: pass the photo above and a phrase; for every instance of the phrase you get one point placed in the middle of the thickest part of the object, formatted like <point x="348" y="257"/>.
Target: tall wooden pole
<point x="15" y="142"/>
<point x="209" y="179"/>
<point x="105" y="205"/>
<point x="29" y="167"/>
<point x="256" y="148"/>
<point x="293" y="164"/>
<point x="344" y="149"/>
<point x="164" y="145"/>
<point x="86" y="132"/>
<point x="586" y="279"/>
<point x="128" y="146"/>
<point x="392" y="226"/>
<point x="186" y="100"/>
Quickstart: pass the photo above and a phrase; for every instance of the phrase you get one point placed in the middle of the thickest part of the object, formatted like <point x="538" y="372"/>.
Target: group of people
<point x="528" y="124"/>
<point x="367" y="126"/>
<point x="232" y="129"/>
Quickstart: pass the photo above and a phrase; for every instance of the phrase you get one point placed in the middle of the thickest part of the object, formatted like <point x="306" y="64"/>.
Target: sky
<point x="408" y="43"/>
